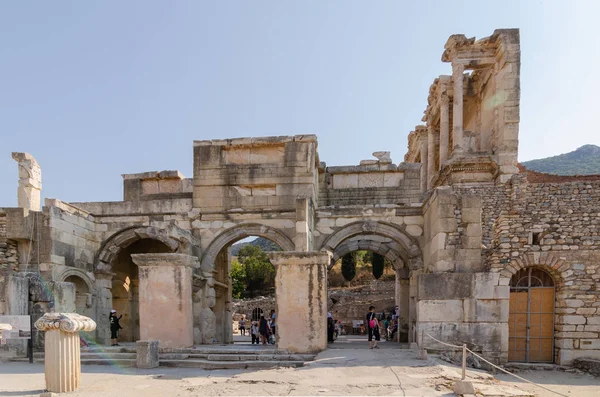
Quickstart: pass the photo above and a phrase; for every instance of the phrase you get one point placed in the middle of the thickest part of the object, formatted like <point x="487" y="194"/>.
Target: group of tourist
<point x="261" y="331"/>
<point x="334" y="328"/>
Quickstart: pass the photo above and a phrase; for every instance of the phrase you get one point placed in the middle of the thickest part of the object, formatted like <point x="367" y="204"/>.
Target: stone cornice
<point x="66" y="322"/>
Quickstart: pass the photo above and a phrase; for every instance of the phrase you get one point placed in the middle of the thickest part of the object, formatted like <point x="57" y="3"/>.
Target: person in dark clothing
<point x="373" y="328"/>
<point x="115" y="326"/>
<point x="330" y="329"/>
<point x="263" y="330"/>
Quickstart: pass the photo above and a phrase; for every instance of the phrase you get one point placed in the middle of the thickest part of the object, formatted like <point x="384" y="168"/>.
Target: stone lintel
<point x="260" y="141"/>
<point x="165" y="259"/>
<point x="300" y="258"/>
<point x="371" y="166"/>
<point x="169" y="174"/>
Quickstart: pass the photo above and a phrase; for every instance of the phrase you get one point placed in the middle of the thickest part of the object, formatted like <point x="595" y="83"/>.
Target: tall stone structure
<point x="485" y="253"/>
<point x="30" y="182"/>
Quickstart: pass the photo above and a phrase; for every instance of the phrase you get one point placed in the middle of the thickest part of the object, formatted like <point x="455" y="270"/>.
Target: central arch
<point x="239" y="232"/>
<point x="402" y="245"/>
<point x="392" y="243"/>
<point x="216" y="261"/>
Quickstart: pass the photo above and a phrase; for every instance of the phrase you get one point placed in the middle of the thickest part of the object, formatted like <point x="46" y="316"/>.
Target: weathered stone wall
<point x="9" y="255"/>
<point x="556" y="227"/>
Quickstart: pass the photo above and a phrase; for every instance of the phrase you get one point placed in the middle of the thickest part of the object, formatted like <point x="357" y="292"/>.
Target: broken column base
<point x="422" y="354"/>
<point x="463" y="387"/>
<point x="147" y="353"/>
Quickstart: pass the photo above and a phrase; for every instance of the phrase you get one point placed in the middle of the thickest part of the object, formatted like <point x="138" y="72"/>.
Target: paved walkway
<point x="335" y="372"/>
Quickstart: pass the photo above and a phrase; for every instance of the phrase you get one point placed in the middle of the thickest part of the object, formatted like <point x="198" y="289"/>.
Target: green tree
<point x="238" y="278"/>
<point x="260" y="273"/>
<point x="378" y="265"/>
<point x="348" y="267"/>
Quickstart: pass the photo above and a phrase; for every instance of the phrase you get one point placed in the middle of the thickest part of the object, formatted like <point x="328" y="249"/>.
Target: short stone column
<point x="147" y="353"/>
<point x="458" y="69"/>
<point x="62" y="357"/>
<point x="301" y="300"/>
<point x="165" y="289"/>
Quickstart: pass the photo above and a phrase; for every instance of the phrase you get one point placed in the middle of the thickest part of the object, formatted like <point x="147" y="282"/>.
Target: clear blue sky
<point x="95" y="89"/>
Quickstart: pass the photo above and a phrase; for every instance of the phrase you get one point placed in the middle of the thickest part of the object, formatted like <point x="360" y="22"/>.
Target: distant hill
<point x="583" y="161"/>
<point x="264" y="244"/>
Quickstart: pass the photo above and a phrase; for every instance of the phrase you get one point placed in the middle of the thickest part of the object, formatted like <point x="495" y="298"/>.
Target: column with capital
<point x="444" y="128"/>
<point x="430" y="155"/>
<point x="62" y="363"/>
<point x="424" y="156"/>
<point x="458" y="70"/>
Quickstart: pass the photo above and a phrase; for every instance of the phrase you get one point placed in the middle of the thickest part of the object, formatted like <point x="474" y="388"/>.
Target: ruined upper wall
<point x="267" y="173"/>
<point x="472" y="118"/>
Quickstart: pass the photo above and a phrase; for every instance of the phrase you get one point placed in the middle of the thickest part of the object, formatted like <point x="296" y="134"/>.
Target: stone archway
<point x="123" y="238"/>
<point x="405" y="246"/>
<point x="392" y="243"/>
<point x="215" y="268"/>
<point x="562" y="274"/>
<point x="85" y="289"/>
<point x="116" y="272"/>
<point x="239" y="232"/>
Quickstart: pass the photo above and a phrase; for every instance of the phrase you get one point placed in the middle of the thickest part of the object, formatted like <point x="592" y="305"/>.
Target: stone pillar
<point x="166" y="298"/>
<point x="458" y="70"/>
<point x="62" y="361"/>
<point x="301" y="300"/>
<point x="103" y="304"/>
<point x="302" y="238"/>
<point x="444" y="129"/>
<point x="424" y="158"/>
<point x="147" y="353"/>
<point x="430" y="156"/>
<point x="30" y="182"/>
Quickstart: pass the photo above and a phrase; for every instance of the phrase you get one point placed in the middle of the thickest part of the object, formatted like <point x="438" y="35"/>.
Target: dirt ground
<point x="335" y="372"/>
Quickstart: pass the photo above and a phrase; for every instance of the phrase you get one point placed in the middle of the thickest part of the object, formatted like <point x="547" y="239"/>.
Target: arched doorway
<point x="531" y="316"/>
<point x="395" y="246"/>
<point x="217" y="259"/>
<point x="83" y="296"/>
<point x="125" y="293"/>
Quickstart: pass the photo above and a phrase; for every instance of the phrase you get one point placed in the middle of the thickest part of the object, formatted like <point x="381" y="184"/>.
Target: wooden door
<point x="531" y="317"/>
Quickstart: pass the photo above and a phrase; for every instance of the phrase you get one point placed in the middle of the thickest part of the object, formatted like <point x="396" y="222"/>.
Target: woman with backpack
<point x="373" y="328"/>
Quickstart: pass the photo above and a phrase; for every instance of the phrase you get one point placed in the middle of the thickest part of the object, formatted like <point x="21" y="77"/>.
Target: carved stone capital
<point x="66" y="322"/>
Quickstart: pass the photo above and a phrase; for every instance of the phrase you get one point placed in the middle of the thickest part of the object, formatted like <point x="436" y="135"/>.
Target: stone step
<point x="258" y="357"/>
<point x="114" y="356"/>
<point x="209" y="365"/>
<point x="200" y="350"/>
<point x="101" y="361"/>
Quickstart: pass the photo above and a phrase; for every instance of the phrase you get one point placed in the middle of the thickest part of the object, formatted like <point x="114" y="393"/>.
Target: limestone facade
<point x="457" y="219"/>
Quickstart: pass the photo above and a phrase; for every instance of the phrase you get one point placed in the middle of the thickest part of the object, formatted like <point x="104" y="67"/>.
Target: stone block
<point x="440" y="310"/>
<point x="392" y="179"/>
<point x="566" y="356"/>
<point x="438" y="242"/>
<point x="484" y="310"/>
<point x="473" y="230"/>
<point x="471" y="215"/>
<point x="483" y="285"/>
<point x="441" y="286"/>
<point x="147" y="353"/>
<point x="502" y="292"/>
<point x="462" y="387"/>
<point x="576" y="320"/>
<point x="587" y="344"/>
<point x="414" y="230"/>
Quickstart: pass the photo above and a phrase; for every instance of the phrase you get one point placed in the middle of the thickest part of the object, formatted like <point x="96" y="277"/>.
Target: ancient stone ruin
<point x="484" y="253"/>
